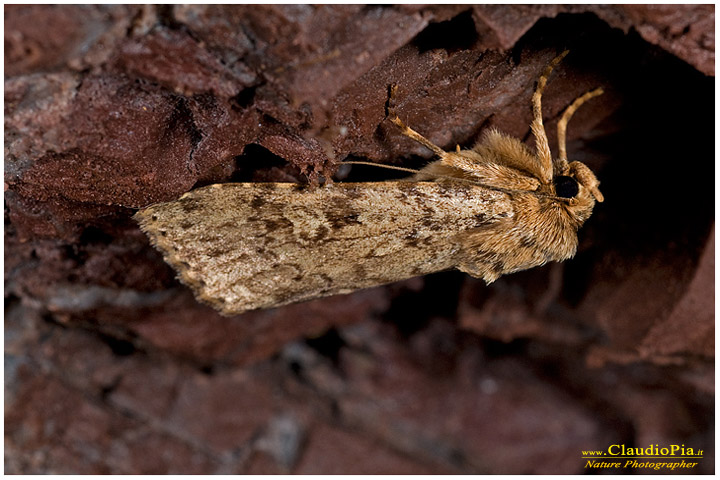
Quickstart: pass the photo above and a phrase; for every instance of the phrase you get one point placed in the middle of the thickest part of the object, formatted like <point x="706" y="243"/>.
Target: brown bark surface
<point x="111" y="366"/>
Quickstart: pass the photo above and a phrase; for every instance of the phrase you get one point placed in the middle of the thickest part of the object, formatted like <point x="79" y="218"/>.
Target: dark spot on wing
<point x="217" y="249"/>
<point x="431" y="224"/>
<point x="359" y="270"/>
<point x="326" y="278"/>
<point x="189" y="204"/>
<point x="481" y="219"/>
<point x="411" y="240"/>
<point x="275" y="224"/>
<point x="319" y="234"/>
<point x="257" y="202"/>
<point x="353" y="193"/>
<point x="272" y="225"/>
<point x="338" y="222"/>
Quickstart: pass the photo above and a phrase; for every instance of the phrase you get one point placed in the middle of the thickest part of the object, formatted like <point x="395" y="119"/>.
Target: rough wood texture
<point x="111" y="108"/>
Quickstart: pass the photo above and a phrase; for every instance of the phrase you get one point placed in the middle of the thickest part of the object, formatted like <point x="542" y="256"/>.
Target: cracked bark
<point x="110" y="108"/>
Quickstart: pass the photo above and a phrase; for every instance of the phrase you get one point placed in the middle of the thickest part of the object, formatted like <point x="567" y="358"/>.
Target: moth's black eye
<point x="566" y="187"/>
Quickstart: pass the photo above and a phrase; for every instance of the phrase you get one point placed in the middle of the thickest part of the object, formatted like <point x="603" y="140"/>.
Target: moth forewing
<point x="242" y="246"/>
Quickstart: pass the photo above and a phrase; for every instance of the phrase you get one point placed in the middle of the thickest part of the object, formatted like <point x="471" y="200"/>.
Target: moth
<point x="491" y="210"/>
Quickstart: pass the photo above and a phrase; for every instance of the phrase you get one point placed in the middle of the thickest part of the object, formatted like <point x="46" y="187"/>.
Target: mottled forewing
<point x="244" y="246"/>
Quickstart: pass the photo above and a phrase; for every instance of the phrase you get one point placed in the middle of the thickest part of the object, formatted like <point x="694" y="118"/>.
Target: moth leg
<point x="541" y="141"/>
<point x="407" y="131"/>
<point x="562" y="163"/>
<point x="459" y="166"/>
<point x="508" y="151"/>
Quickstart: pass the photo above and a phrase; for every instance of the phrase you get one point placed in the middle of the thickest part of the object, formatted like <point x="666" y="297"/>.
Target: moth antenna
<point x="389" y="167"/>
<point x="541" y="141"/>
<point x="562" y="163"/>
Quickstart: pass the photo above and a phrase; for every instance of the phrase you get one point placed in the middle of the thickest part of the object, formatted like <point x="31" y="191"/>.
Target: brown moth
<point x="494" y="209"/>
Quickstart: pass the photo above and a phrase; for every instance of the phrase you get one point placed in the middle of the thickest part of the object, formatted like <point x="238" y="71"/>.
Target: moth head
<point x="577" y="187"/>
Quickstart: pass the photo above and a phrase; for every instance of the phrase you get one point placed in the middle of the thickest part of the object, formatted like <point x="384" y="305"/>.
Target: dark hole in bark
<point x="452" y="35"/>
